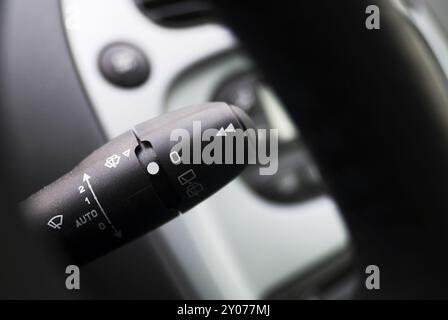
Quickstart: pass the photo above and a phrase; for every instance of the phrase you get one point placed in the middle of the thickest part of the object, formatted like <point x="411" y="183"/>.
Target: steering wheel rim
<point x="372" y="106"/>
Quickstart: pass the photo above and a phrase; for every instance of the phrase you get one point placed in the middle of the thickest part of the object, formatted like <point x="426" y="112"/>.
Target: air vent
<point x="177" y="13"/>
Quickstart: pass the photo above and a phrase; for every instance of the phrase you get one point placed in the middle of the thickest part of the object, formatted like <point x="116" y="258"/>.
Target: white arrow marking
<point x="221" y="133"/>
<point x="86" y="179"/>
<point x="230" y="128"/>
<point x="127" y="153"/>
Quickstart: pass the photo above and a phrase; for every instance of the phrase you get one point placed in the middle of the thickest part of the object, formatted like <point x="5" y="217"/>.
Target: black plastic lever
<point x="133" y="184"/>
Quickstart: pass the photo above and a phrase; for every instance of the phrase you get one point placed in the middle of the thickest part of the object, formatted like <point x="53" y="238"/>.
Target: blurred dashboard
<point x="253" y="236"/>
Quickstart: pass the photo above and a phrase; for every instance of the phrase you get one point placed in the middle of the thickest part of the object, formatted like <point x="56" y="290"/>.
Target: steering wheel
<point x="373" y="108"/>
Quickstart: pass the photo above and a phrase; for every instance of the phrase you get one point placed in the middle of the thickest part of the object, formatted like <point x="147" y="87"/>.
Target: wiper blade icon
<point x="56" y="222"/>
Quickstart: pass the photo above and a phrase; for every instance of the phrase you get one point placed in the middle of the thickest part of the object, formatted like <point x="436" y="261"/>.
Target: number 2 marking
<point x="81" y="189"/>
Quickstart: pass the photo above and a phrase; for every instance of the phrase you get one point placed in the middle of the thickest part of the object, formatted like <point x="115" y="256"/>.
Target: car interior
<point x="361" y="117"/>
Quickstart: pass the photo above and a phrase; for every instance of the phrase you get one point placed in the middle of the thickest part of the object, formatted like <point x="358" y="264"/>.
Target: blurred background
<point x="79" y="72"/>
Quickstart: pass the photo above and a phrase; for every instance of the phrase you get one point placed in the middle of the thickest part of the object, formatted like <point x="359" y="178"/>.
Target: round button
<point x="124" y="65"/>
<point x="153" y="168"/>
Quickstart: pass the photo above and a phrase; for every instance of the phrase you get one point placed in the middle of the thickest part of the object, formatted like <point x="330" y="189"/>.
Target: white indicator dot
<point x="153" y="168"/>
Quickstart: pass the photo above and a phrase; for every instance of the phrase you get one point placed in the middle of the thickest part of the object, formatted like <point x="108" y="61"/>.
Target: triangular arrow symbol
<point x="127" y="153"/>
<point x="86" y="177"/>
<point x="230" y="128"/>
<point x="221" y="132"/>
